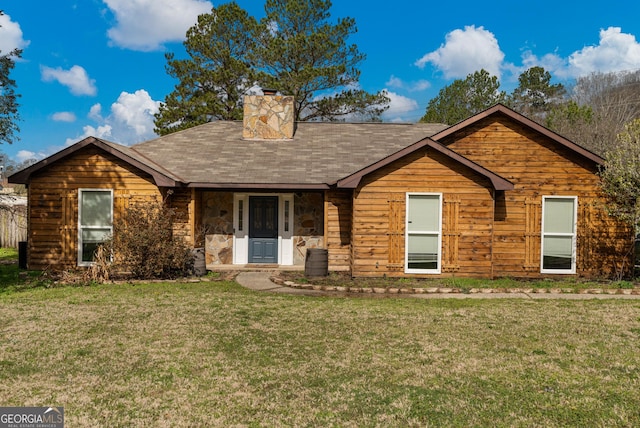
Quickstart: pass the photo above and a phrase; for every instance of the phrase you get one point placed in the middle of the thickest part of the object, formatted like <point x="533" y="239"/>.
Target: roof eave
<point x="353" y="181"/>
<point x="259" y="186"/>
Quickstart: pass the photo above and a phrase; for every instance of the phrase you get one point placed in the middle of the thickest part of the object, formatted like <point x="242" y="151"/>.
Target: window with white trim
<point x="559" y="215"/>
<point x="95" y="222"/>
<point x="423" y="233"/>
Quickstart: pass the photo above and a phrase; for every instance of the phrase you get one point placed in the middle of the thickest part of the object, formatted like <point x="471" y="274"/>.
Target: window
<point x="423" y="239"/>
<point x="559" y="234"/>
<point x="95" y="220"/>
<point x="286" y="215"/>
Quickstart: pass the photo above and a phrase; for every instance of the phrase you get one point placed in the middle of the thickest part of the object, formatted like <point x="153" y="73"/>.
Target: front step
<point x="255" y="267"/>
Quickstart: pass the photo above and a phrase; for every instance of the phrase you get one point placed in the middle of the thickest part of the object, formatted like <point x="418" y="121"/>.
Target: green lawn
<point x="575" y="285"/>
<point x="13" y="279"/>
<point x="214" y="354"/>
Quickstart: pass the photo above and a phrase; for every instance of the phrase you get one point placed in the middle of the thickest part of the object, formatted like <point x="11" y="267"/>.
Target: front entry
<point x="263" y="229"/>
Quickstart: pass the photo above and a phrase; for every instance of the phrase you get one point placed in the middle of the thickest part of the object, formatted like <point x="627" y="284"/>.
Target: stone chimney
<point x="268" y="116"/>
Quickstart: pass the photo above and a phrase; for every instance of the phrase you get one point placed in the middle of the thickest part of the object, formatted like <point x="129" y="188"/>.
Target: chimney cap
<point x="269" y="91"/>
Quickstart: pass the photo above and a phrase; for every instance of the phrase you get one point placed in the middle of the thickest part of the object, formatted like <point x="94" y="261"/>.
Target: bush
<point x="143" y="245"/>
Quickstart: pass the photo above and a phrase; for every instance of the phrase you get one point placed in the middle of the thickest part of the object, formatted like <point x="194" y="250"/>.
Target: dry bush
<point x="99" y="271"/>
<point x="143" y="245"/>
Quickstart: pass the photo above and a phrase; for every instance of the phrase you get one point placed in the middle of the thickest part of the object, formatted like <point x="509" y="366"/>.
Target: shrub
<point x="143" y="245"/>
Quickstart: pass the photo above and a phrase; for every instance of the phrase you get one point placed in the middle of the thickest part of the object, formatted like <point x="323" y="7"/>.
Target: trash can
<point x="316" y="262"/>
<point x="199" y="262"/>
<point x="22" y="254"/>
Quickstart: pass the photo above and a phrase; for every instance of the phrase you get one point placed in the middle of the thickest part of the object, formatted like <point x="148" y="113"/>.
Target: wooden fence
<point x="13" y="221"/>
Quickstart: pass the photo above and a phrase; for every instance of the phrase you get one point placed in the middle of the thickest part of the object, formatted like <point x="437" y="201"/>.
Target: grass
<point x="214" y="354"/>
<point x="8" y="254"/>
<point x="463" y="284"/>
<point x="13" y="279"/>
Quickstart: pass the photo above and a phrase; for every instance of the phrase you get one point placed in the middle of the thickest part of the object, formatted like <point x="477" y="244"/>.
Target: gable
<point x="91" y="167"/>
<point x="520" y="124"/>
<point x="380" y="215"/>
<point x="160" y="176"/>
<point x="498" y="182"/>
<point x="518" y="152"/>
<point x="426" y="170"/>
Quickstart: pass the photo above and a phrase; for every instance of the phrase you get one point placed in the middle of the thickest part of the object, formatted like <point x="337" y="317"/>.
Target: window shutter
<point x="120" y="203"/>
<point x="451" y="234"/>
<point x="396" y="232"/>
<point x="69" y="228"/>
<point x="533" y="214"/>
<point x="584" y="237"/>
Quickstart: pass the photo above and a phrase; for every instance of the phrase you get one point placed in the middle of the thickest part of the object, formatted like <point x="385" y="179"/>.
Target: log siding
<point x="379" y="215"/>
<point x="53" y="202"/>
<point x="539" y="167"/>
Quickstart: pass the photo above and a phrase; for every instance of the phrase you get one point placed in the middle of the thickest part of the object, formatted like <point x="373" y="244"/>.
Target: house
<point x="495" y="195"/>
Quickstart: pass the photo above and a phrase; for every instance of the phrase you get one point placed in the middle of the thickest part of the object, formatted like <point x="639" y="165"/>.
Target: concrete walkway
<point x="261" y="281"/>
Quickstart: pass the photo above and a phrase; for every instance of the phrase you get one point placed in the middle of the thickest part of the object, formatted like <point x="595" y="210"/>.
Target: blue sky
<point x="97" y="67"/>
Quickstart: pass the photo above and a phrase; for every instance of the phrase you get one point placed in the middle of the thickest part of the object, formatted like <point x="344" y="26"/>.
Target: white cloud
<point x="135" y="111"/>
<point x="10" y="35"/>
<point x="551" y="62"/>
<point x="64" y="116"/>
<point x="617" y="51"/>
<point x="419" y="85"/>
<point x="129" y="121"/>
<point x="76" y="79"/>
<point x="144" y="25"/>
<point x="103" y="131"/>
<point x="395" y="82"/>
<point x="466" y="51"/>
<point x="400" y="108"/>
<point x="24" y="155"/>
<point x="95" y="112"/>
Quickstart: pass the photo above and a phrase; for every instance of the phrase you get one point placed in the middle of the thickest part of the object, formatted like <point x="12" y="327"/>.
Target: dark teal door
<point x="263" y="229"/>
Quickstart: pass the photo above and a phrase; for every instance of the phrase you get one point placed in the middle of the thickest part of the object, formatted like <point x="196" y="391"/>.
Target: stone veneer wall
<point x="308" y="224"/>
<point x="268" y="117"/>
<point x="217" y="218"/>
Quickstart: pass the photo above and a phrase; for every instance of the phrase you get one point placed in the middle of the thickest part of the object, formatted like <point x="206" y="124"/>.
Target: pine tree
<point x="294" y="49"/>
<point x="9" y="115"/>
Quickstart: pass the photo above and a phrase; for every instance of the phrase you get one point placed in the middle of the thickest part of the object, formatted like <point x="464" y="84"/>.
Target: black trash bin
<point x="22" y="254"/>
<point x="316" y="262"/>
<point x="199" y="262"/>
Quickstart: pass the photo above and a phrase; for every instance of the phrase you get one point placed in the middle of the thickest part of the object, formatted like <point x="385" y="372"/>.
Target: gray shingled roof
<point x="320" y="153"/>
<point x="135" y="155"/>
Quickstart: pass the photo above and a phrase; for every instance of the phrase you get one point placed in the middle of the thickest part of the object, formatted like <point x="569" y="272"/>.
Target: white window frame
<point x="423" y="232"/>
<point x="81" y="227"/>
<point x="240" y="229"/>
<point x="285" y="230"/>
<point x="573" y="235"/>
